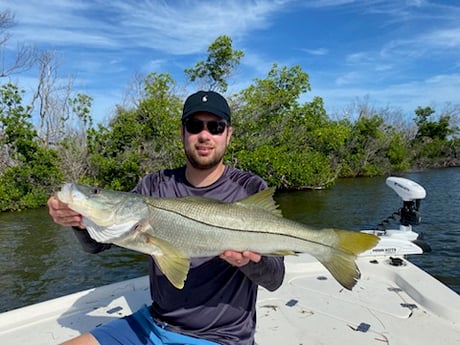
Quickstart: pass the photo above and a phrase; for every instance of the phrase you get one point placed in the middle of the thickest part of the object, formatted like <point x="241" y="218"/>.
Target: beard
<point x="204" y="162"/>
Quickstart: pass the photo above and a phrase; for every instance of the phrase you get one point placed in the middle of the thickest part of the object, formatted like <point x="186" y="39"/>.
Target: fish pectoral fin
<point x="175" y="268"/>
<point x="171" y="261"/>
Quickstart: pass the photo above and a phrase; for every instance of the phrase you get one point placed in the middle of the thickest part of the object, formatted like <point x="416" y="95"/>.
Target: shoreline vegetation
<point x="291" y="144"/>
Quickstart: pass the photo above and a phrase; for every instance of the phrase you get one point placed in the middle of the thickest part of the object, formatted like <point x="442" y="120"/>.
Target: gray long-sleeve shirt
<point x="218" y="300"/>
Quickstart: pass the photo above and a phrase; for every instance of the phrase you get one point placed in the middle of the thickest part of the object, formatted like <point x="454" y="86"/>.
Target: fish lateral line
<point x="280" y="234"/>
<point x="341" y="234"/>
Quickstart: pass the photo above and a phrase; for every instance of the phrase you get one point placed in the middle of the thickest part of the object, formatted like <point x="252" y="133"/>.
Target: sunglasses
<point x="213" y="127"/>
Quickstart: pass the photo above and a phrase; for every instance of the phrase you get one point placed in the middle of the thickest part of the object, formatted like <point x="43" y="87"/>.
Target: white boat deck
<point x="390" y="305"/>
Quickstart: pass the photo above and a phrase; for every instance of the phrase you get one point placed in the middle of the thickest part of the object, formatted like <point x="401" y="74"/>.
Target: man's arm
<point x="266" y="271"/>
<point x="88" y="244"/>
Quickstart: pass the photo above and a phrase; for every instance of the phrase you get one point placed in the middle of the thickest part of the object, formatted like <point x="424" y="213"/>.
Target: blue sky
<point x="397" y="54"/>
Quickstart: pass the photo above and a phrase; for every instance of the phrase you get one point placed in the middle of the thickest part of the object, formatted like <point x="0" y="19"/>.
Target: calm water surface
<point x="40" y="260"/>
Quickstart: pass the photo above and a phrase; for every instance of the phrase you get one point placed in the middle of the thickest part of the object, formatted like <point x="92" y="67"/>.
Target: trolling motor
<point x="401" y="241"/>
<point x="412" y="194"/>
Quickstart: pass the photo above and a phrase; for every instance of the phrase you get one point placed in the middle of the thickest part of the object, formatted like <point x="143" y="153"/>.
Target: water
<point x="40" y="260"/>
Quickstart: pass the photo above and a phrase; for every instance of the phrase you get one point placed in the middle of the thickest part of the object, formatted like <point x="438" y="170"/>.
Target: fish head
<point x="101" y="207"/>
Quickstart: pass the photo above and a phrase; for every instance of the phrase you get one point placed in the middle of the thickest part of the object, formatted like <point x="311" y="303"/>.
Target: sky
<point x="388" y="53"/>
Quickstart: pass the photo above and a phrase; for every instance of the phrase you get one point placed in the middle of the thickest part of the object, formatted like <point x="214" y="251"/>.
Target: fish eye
<point x="95" y="190"/>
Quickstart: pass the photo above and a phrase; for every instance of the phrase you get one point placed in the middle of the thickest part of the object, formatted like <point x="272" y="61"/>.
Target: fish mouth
<point x="65" y="194"/>
<point x="80" y="200"/>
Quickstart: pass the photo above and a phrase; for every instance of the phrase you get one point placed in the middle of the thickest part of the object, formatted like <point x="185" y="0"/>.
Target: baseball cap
<point x="208" y="101"/>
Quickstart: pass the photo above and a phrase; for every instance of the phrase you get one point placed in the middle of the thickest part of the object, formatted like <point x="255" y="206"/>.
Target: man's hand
<point x="62" y="214"/>
<point x="240" y="259"/>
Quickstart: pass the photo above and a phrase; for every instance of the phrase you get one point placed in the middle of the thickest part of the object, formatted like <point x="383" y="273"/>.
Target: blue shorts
<point x="140" y="329"/>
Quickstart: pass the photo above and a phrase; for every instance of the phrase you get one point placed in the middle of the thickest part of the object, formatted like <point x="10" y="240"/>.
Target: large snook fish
<point x="173" y="230"/>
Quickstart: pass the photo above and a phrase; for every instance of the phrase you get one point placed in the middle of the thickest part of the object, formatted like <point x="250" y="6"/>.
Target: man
<point x="217" y="303"/>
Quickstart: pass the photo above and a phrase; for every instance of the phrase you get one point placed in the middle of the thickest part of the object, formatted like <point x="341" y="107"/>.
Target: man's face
<point x="205" y="150"/>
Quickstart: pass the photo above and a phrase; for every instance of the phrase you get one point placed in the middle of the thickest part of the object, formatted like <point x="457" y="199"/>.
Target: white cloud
<point x="191" y="26"/>
<point x="436" y="90"/>
<point x="439" y="41"/>
<point x="328" y="3"/>
<point x="317" y="51"/>
<point x="257" y="63"/>
<point x="443" y="38"/>
<point x="174" y="28"/>
<point x="348" y="78"/>
<point x="359" y="58"/>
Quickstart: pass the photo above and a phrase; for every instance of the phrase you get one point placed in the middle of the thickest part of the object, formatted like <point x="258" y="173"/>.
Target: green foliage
<point x="137" y="141"/>
<point x="276" y="137"/>
<point x="362" y="153"/>
<point x="432" y="146"/>
<point x="18" y="133"/>
<point x="287" y="169"/>
<point x="31" y="171"/>
<point x="219" y="64"/>
<point x="432" y="129"/>
<point x="81" y="106"/>
<point x="264" y="109"/>
<point x="398" y="152"/>
<point x="30" y="185"/>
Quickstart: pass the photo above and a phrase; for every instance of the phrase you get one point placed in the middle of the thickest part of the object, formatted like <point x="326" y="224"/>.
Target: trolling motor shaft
<point x="409" y="213"/>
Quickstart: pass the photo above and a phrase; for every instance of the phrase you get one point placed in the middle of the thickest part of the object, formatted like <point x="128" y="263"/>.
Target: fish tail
<point x="355" y="242"/>
<point x="341" y="264"/>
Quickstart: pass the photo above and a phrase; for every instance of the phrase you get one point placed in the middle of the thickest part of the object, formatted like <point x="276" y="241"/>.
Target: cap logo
<point x="204" y="99"/>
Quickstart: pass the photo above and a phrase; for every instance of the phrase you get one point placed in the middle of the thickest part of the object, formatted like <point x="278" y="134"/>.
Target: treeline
<point x="291" y="144"/>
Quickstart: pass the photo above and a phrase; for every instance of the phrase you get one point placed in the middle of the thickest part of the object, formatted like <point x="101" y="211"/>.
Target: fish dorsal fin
<point x="263" y="200"/>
